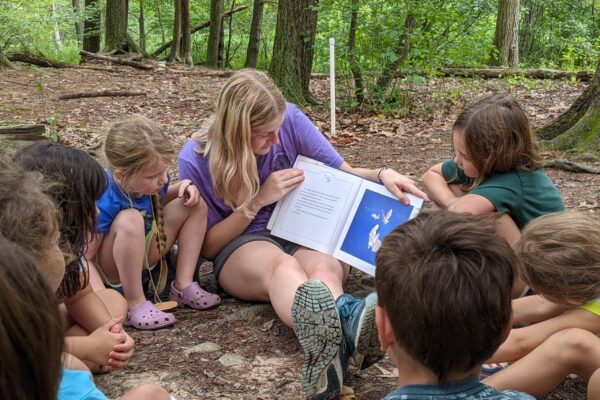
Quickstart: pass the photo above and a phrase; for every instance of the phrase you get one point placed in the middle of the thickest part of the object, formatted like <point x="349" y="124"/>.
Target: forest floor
<point x="241" y="350"/>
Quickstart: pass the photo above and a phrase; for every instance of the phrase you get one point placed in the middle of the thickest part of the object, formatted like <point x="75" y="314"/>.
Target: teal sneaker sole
<point x="368" y="350"/>
<point x="317" y="326"/>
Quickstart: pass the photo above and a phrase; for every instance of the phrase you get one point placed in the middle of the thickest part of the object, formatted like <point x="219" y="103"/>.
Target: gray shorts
<point x="220" y="260"/>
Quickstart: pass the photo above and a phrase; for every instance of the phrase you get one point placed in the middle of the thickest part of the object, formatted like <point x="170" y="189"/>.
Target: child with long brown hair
<point x="141" y="216"/>
<point x="560" y="260"/>
<point x="496" y="168"/>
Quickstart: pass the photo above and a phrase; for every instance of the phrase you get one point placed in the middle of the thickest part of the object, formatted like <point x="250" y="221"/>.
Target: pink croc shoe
<point x="194" y="296"/>
<point x="147" y="317"/>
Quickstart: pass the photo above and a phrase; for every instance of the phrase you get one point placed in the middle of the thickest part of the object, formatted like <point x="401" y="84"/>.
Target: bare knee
<point x="573" y="346"/>
<point x="147" y="391"/>
<point x="129" y="221"/>
<point x="324" y="267"/>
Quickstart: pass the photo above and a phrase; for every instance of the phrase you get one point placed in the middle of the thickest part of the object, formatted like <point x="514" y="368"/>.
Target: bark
<point x="354" y="67"/>
<point x="176" y="42"/>
<point x="79" y="22"/>
<point x="115" y="38"/>
<point x="254" y="40"/>
<point x="402" y="49"/>
<point x="579" y="126"/>
<point x="186" y="32"/>
<point x="229" y="34"/>
<point x="214" y="36"/>
<point x="194" y="29"/>
<point x="102" y="93"/>
<point x="506" y="38"/>
<point x="291" y="64"/>
<point x="91" y="27"/>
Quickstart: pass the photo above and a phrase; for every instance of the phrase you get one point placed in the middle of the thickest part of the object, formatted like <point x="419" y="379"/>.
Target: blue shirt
<point x="114" y="200"/>
<point x="469" y="388"/>
<point x="78" y="385"/>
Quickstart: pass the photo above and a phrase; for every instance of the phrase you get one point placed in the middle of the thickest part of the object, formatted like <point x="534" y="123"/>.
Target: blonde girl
<point x="141" y="216"/>
<point x="242" y="165"/>
<point x="560" y="256"/>
<point x="77" y="181"/>
<point x="496" y="168"/>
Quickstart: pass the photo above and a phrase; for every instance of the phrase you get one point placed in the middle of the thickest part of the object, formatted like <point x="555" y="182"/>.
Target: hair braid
<point x="161" y="236"/>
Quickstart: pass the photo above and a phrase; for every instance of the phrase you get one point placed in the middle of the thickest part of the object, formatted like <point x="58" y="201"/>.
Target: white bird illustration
<point x="374" y="242"/>
<point x="387" y="216"/>
<point x="375" y="216"/>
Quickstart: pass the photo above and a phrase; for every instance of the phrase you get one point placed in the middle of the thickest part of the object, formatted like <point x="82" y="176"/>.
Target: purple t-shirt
<point x="297" y="136"/>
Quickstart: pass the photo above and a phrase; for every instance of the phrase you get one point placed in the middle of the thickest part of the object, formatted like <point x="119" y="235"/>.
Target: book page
<point x="314" y="213"/>
<point x="375" y="213"/>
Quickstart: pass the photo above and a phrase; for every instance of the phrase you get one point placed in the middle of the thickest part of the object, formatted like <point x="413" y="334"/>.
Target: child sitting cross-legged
<point x="444" y="304"/>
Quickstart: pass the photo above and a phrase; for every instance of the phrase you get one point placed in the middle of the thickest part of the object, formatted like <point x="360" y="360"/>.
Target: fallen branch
<point x="197" y="28"/>
<point x="571" y="166"/>
<point x="103" y="93"/>
<point x="29" y="138"/>
<point x="27" y="129"/>
<point x="38" y="60"/>
<point x="116" y="60"/>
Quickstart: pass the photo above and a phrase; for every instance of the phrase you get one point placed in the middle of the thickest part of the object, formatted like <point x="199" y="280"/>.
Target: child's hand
<point x="121" y="353"/>
<point x="397" y="183"/>
<point x="105" y="340"/>
<point x="189" y="192"/>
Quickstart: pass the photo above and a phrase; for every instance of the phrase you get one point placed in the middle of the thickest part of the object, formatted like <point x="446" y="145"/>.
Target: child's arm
<point x="533" y="309"/>
<point x="186" y="189"/>
<point x="440" y="192"/>
<point x="523" y="340"/>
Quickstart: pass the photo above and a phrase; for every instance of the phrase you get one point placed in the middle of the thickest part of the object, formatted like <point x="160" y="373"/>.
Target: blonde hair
<point x="133" y="144"/>
<point x="560" y="256"/>
<point x="248" y="100"/>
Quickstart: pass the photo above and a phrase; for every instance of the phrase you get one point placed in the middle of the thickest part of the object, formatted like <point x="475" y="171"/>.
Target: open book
<point x="340" y="214"/>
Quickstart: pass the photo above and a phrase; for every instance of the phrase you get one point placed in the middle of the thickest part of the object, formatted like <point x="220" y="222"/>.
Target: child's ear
<point x="119" y="175"/>
<point x="384" y="329"/>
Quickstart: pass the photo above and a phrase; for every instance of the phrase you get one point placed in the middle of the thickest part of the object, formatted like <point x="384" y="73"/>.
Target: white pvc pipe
<point x="332" y="84"/>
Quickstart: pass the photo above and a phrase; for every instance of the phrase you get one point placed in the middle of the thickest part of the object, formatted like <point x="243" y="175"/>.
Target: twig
<point x="571" y="166"/>
<point x="103" y="93"/>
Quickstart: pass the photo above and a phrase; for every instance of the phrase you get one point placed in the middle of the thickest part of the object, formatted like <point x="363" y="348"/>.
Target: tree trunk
<point x="229" y="34"/>
<point x="293" y="51"/>
<point x="175" y="47"/>
<point x="216" y="24"/>
<point x="91" y="27"/>
<point x="57" y="32"/>
<point x="401" y="51"/>
<point x="506" y="38"/>
<point x="354" y="67"/>
<point x="254" y="41"/>
<point x="142" y="28"/>
<point x="186" y="31"/>
<point x="579" y="126"/>
<point x="534" y="10"/>
<point x="220" y="61"/>
<point x="115" y="37"/>
<point x="78" y="22"/>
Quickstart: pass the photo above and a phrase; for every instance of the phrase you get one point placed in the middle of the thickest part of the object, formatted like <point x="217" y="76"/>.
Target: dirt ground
<point x="241" y="350"/>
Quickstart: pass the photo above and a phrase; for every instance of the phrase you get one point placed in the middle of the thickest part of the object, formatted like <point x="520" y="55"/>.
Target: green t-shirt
<point x="524" y="195"/>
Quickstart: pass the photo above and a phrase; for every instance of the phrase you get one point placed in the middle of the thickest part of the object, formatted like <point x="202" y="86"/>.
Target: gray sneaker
<point x="317" y="326"/>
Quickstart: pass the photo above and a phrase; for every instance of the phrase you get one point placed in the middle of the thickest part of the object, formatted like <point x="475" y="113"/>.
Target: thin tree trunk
<point x="229" y="34"/>
<point x="79" y="21"/>
<point x="186" y="31"/>
<point x="160" y="21"/>
<point x="220" y="61"/>
<point x="254" y="40"/>
<point x="142" y="28"/>
<point x="91" y="27"/>
<point x="534" y="10"/>
<point x="175" y="47"/>
<point x="401" y="51"/>
<point x="354" y="67"/>
<point x="293" y="48"/>
<point x="57" y="34"/>
<point x="216" y="23"/>
<point x="506" y="38"/>
<point x="116" y="25"/>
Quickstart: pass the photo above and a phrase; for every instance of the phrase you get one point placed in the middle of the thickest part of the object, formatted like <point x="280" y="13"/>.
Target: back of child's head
<point x="28" y="216"/>
<point x="135" y="143"/>
<point x="78" y="182"/>
<point x="444" y="281"/>
<point x="249" y="99"/>
<point x="497" y="136"/>
<point x="560" y="256"/>
<point x="31" y="334"/>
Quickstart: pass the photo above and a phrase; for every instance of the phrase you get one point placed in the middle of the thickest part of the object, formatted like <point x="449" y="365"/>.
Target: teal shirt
<point x="524" y="195"/>
<point x="78" y="385"/>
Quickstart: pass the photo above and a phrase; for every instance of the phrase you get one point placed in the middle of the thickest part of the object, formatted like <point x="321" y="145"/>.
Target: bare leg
<point x="147" y="391"/>
<point x="121" y="254"/>
<point x="261" y="271"/>
<point x="594" y="386"/>
<point x="73" y="363"/>
<point x="510" y="232"/>
<point x="188" y="225"/>
<point x="568" y="351"/>
<point x="94" y="277"/>
<point x="324" y="267"/>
